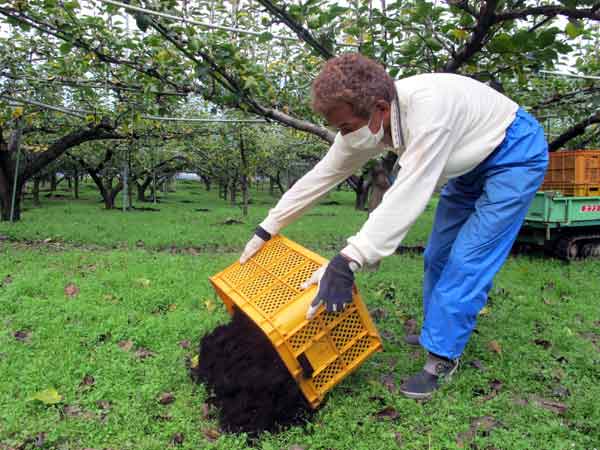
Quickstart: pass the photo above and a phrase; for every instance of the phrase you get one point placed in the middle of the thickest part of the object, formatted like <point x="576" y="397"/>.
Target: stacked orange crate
<point x="574" y="173"/>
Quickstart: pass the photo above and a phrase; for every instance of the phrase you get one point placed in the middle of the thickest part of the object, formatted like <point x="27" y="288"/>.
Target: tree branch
<point x="100" y="131"/>
<point x="485" y="20"/>
<point x="297" y="28"/>
<point x="550" y="11"/>
<point x="576" y="130"/>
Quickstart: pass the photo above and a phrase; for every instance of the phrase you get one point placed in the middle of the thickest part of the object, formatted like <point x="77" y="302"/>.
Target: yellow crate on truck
<point x="319" y="353"/>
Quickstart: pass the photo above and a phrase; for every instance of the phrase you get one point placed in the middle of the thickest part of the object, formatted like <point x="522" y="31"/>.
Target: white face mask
<point x="363" y="138"/>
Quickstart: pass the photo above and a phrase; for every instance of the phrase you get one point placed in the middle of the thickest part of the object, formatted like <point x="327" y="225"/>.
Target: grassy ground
<point x="106" y="320"/>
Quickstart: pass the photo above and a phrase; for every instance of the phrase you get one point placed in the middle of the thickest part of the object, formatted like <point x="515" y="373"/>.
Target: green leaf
<point x="47" y="396"/>
<point x="142" y="21"/>
<point x="573" y="30"/>
<point x="265" y="37"/>
<point x="65" y="47"/>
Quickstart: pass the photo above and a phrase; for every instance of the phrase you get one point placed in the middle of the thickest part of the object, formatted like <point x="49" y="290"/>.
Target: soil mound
<point x="250" y="385"/>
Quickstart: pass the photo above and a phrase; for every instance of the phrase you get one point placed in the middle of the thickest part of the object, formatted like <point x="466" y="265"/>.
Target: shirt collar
<point x="396" y="122"/>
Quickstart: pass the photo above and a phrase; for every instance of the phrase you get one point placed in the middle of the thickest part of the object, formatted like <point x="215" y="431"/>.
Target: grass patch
<point x="134" y="308"/>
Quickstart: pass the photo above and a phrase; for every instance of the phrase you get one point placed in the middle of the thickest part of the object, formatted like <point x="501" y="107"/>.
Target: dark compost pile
<point x="250" y="385"/>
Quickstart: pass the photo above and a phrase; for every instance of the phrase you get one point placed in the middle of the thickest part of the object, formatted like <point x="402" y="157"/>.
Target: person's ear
<point x="382" y="106"/>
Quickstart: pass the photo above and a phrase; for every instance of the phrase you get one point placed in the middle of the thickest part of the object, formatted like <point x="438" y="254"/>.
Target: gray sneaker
<point x="412" y="339"/>
<point x="424" y="383"/>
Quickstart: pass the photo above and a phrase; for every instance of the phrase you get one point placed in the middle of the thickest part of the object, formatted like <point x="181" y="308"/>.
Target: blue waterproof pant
<point x="477" y="220"/>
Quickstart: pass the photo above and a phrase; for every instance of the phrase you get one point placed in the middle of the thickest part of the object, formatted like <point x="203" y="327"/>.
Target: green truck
<point x="569" y="227"/>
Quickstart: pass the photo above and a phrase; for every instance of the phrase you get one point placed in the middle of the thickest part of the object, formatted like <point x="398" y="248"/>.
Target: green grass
<point x="128" y="293"/>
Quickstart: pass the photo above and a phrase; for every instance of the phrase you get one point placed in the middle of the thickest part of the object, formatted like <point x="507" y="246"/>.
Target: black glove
<point x="335" y="286"/>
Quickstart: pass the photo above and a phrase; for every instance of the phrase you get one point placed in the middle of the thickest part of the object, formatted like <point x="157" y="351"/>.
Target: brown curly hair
<point x="354" y="79"/>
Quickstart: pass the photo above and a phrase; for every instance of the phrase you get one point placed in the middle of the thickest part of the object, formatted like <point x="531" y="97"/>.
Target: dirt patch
<point x="250" y="385"/>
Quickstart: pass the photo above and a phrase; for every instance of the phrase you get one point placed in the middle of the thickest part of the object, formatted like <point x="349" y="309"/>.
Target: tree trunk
<point x="53" y="182"/>
<point x="69" y="185"/>
<point x="278" y="182"/>
<point x="206" y="181"/>
<point x="244" y="179"/>
<point x="142" y="187"/>
<point x="361" y="199"/>
<point x="233" y="189"/>
<point x="36" y="191"/>
<point x="76" y="184"/>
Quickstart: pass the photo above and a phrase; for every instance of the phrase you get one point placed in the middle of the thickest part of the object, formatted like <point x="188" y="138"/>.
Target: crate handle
<point x="307" y="368"/>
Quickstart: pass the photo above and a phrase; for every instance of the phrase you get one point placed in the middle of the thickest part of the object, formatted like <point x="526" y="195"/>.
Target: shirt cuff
<point x="353" y="253"/>
<point x="270" y="226"/>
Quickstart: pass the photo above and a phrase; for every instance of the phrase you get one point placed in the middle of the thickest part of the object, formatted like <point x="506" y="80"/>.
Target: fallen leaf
<point x="205" y="411"/>
<point x="210" y="305"/>
<point x="378" y="314"/>
<point x="211" y="434"/>
<point x="192" y="251"/>
<point x="495" y="347"/>
<point x="76" y="411"/>
<point x="550" y="405"/>
<point x="543" y="343"/>
<point x="495" y="387"/>
<point x="478" y="424"/>
<point x="126" y="345"/>
<point x="143" y="353"/>
<point x="88" y="380"/>
<point x="166" y="398"/>
<point x="548" y="286"/>
<point x="47" y="396"/>
<point x="172" y="307"/>
<point x="71" y="290"/>
<point x="410" y="326"/>
<point x="40" y="439"/>
<point x="103" y="404"/>
<point x="111" y="298"/>
<point x="177" y="439"/>
<point x="143" y="282"/>
<point x="22" y="335"/>
<point x="389" y="336"/>
<point x="484" y="311"/>
<point x="195" y="361"/>
<point x="389" y="412"/>
<point x="561" y="392"/>
<point x="477" y="364"/>
<point x="399" y="439"/>
<point x="184" y="344"/>
<point x="388" y="381"/>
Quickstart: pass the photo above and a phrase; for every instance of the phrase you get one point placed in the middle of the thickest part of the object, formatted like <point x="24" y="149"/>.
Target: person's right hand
<point x="261" y="236"/>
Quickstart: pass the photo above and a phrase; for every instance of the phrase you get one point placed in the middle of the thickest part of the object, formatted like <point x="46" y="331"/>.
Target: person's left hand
<point x="335" y="281"/>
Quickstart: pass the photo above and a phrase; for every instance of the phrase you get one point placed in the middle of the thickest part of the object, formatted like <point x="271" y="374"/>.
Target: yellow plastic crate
<point x="318" y="353"/>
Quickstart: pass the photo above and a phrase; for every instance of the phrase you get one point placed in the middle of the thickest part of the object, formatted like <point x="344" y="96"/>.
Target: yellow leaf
<point x="172" y="307"/>
<point x="484" y="311"/>
<point x="195" y="361"/>
<point x="17" y="112"/>
<point x="144" y="282"/>
<point x="210" y="306"/>
<point x="495" y="347"/>
<point x="48" y="396"/>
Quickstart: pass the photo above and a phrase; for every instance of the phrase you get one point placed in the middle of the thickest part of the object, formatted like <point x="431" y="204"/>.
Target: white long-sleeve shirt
<point x="443" y="126"/>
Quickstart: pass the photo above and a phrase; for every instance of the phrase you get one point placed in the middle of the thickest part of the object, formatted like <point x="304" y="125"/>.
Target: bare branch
<point x="550" y="11"/>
